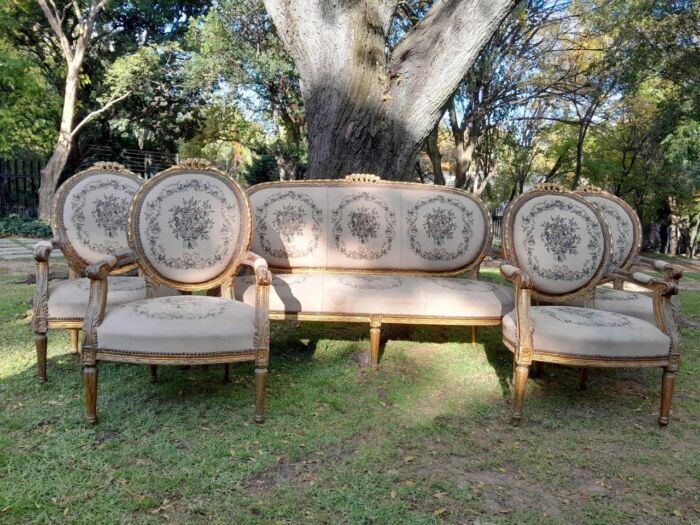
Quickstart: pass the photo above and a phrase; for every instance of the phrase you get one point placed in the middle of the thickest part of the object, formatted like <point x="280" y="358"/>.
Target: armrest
<point x="263" y="279"/>
<point x="516" y="276"/>
<point x="672" y="273"/>
<point x="259" y="265"/>
<point x="42" y="253"/>
<point x="662" y="287"/>
<point x="124" y="262"/>
<point x="97" y="273"/>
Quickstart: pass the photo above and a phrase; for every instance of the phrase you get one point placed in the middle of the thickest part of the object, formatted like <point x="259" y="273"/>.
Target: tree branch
<point x="97" y="112"/>
<point x="449" y="38"/>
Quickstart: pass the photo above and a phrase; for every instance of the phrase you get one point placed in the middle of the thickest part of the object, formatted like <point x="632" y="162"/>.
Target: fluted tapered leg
<point x="375" y="332"/>
<point x="90" y="381"/>
<point x="74" y="338"/>
<point x="260" y="387"/>
<point x="519" y="384"/>
<point x="41" y="342"/>
<point x="668" y="383"/>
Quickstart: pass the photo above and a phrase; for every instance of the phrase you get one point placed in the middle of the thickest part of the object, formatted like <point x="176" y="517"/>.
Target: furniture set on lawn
<point x="357" y="250"/>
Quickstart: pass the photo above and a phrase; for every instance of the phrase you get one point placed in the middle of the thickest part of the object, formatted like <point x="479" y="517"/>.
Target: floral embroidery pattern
<point x="558" y="270"/>
<point x="111" y="237"/>
<point x="616" y="295"/>
<point x="620" y="231"/>
<point x="584" y="316"/>
<point x="227" y="209"/>
<point x="180" y="308"/>
<point x="115" y="283"/>
<point x="370" y="282"/>
<point x="465" y="285"/>
<point x="561" y="237"/>
<point x="365" y="222"/>
<point x="110" y="213"/>
<point x="191" y="221"/>
<point x="290" y="222"/>
<point x="441" y="224"/>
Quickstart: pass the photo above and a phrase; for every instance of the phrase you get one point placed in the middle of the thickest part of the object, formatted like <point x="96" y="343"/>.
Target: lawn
<point x="426" y="439"/>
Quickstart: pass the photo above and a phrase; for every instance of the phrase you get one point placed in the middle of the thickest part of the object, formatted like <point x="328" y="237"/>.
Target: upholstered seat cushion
<point x="179" y="325"/>
<point x="68" y="299"/>
<point x="584" y="332"/>
<point x="387" y="295"/>
<point x="622" y="302"/>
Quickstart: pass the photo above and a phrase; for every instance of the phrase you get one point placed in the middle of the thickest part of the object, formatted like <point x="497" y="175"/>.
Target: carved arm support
<point x="42" y="253"/>
<point x="97" y="273"/>
<point x="523" y="301"/>
<point x="663" y="292"/>
<point x="673" y="273"/>
<point x="263" y="279"/>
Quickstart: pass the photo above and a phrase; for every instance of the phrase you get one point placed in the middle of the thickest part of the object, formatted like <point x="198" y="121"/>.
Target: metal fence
<point x="142" y="162"/>
<point x="19" y="187"/>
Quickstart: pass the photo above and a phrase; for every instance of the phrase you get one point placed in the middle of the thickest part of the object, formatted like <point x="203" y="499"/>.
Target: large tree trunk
<point x="367" y="111"/>
<point x="51" y="173"/>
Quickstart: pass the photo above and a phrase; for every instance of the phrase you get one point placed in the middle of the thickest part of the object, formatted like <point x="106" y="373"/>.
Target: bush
<point x="15" y="226"/>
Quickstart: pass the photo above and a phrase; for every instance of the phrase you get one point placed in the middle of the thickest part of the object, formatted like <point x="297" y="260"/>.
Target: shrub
<point x="14" y="225"/>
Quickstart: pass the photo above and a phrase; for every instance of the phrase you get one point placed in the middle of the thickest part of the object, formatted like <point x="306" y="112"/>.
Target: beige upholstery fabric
<point x="585" y="332"/>
<point x="186" y="324"/>
<point x="189" y="226"/>
<point x="95" y="214"/>
<point x="381" y="294"/>
<point x="558" y="241"/>
<point x="621" y="227"/>
<point x="369" y="226"/>
<point x="634" y="304"/>
<point x="68" y="299"/>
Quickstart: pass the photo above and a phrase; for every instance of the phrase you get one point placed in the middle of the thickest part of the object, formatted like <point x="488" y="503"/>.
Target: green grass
<point x="424" y="440"/>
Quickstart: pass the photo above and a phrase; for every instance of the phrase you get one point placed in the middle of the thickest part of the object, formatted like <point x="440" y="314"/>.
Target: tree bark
<point x="367" y="110"/>
<point x="51" y="173"/>
<point x="433" y="150"/>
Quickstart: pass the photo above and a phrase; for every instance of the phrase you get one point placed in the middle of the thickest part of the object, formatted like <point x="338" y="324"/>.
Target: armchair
<point x="556" y="246"/>
<point x="190" y="229"/>
<point x="626" y="241"/>
<point x="89" y="218"/>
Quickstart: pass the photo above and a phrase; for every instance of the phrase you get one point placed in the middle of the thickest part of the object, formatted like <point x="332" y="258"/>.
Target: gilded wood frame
<point x="375" y="321"/>
<point x="524" y="352"/>
<point x="93" y="353"/>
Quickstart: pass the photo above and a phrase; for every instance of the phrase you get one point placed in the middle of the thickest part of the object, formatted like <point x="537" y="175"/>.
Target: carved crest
<point x="107" y="166"/>
<point x="592" y="189"/>
<point x="195" y="164"/>
<point x="550" y="186"/>
<point x="362" y="177"/>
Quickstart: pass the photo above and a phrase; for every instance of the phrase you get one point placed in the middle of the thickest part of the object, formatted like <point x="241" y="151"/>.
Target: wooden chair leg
<point x="474" y="334"/>
<point x="74" y="338"/>
<point x="519" y="384"/>
<point x="375" y="331"/>
<point x="41" y="341"/>
<point x="90" y="380"/>
<point x="154" y="374"/>
<point x="668" y="383"/>
<point x="260" y="386"/>
<point x="227" y="373"/>
<point x="583" y="384"/>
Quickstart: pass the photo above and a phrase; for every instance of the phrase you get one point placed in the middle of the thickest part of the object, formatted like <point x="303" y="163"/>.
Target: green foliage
<point x="262" y="169"/>
<point x="29" y="109"/>
<point x="15" y="226"/>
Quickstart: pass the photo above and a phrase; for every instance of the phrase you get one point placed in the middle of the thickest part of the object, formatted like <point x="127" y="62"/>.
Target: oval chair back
<point x="189" y="226"/>
<point x="559" y="239"/>
<point x="625" y="226"/>
<point x="90" y="213"/>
